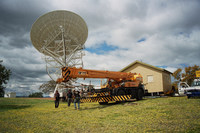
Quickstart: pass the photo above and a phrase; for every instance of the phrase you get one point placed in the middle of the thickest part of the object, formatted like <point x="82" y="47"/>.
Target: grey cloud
<point x="16" y="19"/>
<point x="16" y="50"/>
<point x="165" y="25"/>
<point x="176" y="16"/>
<point x="22" y="12"/>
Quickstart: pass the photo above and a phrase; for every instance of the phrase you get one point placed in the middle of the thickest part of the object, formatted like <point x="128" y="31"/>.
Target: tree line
<point x="4" y="77"/>
<point x="188" y="74"/>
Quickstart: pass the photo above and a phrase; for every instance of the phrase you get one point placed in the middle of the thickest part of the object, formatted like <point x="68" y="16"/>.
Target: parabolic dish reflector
<point x="60" y="37"/>
<point x="49" y="30"/>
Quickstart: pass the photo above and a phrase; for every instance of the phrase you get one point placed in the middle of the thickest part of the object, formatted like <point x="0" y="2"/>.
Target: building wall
<point x="167" y="86"/>
<point x="10" y="95"/>
<point x="152" y="78"/>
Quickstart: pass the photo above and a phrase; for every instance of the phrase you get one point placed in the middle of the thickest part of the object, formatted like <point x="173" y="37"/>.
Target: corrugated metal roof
<point x="142" y="63"/>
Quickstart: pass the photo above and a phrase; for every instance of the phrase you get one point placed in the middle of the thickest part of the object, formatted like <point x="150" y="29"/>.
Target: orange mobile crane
<point x="120" y="85"/>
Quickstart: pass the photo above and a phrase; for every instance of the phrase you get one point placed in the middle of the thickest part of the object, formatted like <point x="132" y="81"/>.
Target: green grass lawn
<point x="170" y="114"/>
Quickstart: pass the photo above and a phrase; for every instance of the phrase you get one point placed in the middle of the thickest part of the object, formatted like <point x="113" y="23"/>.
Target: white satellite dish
<point x="60" y="37"/>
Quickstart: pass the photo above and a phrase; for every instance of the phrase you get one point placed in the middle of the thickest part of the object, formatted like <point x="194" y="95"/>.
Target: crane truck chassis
<point x="120" y="86"/>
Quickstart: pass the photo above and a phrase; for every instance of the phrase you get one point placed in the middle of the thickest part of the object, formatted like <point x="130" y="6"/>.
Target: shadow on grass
<point x="8" y="107"/>
<point x="125" y="103"/>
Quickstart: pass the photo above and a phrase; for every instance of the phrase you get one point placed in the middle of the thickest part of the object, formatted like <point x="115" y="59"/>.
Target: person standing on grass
<point x="57" y="98"/>
<point x="69" y="97"/>
<point x="77" y="99"/>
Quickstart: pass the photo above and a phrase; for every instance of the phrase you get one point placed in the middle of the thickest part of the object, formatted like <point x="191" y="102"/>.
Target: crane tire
<point x="121" y="92"/>
<point x="140" y="94"/>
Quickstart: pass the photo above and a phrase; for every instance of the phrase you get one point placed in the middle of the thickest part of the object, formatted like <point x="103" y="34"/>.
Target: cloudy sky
<point x="163" y="33"/>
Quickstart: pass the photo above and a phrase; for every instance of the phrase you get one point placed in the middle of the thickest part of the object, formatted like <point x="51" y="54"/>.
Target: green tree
<point x="36" y="94"/>
<point x="4" y="77"/>
<point x="177" y="74"/>
<point x="48" y="87"/>
<point x="188" y="75"/>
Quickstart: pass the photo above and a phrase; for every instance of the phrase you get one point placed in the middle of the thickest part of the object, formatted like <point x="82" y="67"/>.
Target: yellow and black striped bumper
<point x="106" y="98"/>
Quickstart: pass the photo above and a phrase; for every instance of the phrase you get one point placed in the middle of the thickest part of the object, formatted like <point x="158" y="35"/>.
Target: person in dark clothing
<point x="77" y="98"/>
<point x="57" y="98"/>
<point x="69" y="97"/>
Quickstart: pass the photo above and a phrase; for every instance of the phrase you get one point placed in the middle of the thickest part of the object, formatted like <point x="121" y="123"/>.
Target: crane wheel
<point x="120" y="92"/>
<point x="140" y="94"/>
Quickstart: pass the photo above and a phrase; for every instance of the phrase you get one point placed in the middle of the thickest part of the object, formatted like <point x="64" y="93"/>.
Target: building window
<point x="150" y="78"/>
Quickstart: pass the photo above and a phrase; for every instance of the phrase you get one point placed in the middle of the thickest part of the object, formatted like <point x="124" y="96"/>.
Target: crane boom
<point x="73" y="73"/>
